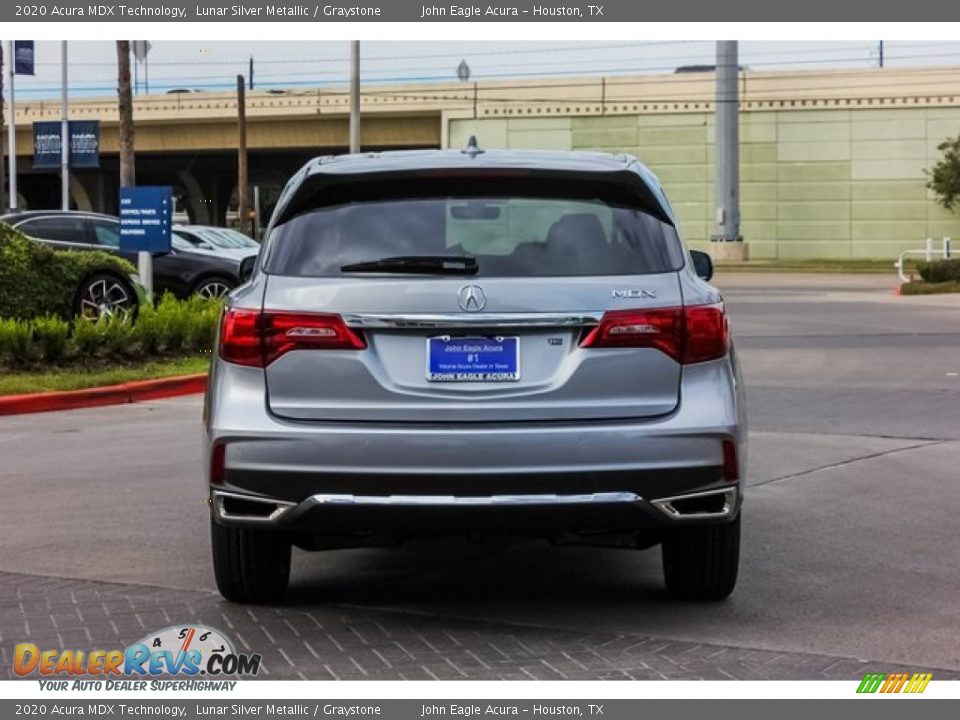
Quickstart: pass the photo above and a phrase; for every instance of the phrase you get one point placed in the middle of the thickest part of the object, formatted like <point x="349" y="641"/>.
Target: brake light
<point x="688" y="335"/>
<point x="706" y="333"/>
<point x="256" y="339"/>
<point x="661" y="329"/>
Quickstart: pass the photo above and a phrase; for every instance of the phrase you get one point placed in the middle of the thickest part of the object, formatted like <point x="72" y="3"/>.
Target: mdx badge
<point x="634" y="293"/>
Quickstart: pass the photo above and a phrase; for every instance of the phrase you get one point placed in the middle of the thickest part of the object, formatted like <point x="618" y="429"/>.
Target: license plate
<point x="475" y="359"/>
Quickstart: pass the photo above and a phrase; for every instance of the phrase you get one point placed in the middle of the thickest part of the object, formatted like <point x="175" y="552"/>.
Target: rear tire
<point x="214" y="286"/>
<point x="251" y="565"/>
<point x="105" y="293"/>
<point x="701" y="562"/>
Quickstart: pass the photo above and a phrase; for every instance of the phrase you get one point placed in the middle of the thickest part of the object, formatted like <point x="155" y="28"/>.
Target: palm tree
<point x="125" y="110"/>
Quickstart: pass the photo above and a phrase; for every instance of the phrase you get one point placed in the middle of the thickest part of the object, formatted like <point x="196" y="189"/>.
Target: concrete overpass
<point x="850" y="133"/>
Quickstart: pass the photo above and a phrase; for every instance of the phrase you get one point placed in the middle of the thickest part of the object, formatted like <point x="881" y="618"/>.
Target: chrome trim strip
<point x="454" y="320"/>
<point x="281" y="506"/>
<point x="665" y="505"/>
<point x="467" y="501"/>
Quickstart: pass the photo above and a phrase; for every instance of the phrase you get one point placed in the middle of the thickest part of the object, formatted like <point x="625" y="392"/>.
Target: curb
<point x="131" y="392"/>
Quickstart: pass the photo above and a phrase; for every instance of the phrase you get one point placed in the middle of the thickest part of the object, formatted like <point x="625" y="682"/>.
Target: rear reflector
<point x="688" y="335"/>
<point x="731" y="468"/>
<point x="218" y="467"/>
<point x="256" y="339"/>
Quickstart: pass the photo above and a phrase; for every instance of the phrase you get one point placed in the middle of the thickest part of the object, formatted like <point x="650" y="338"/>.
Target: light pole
<point x="355" y="96"/>
<point x="12" y="134"/>
<point x="64" y="131"/>
<point x="728" y="241"/>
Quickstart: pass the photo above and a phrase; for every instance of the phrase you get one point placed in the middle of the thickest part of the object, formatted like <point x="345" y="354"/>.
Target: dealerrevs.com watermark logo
<point x="889" y="683"/>
<point x="178" y="651"/>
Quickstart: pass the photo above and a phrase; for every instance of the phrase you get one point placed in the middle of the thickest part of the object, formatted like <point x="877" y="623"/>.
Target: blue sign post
<point x="145" y="217"/>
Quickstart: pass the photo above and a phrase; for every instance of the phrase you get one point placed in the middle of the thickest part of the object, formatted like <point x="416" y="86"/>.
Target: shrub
<point x="87" y="338"/>
<point x="938" y="271"/>
<point x="172" y="328"/>
<point x="16" y="344"/>
<point x="51" y="335"/>
<point x="36" y="280"/>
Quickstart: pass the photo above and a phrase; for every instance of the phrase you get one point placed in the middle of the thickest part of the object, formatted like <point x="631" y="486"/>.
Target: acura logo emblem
<point x="471" y="298"/>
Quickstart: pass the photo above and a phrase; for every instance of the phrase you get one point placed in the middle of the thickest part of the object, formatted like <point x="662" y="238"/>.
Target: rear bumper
<point x="365" y="517"/>
<point x="359" y="477"/>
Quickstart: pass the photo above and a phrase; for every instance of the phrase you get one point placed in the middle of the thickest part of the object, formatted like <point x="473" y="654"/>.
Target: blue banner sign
<point x="84" y="144"/>
<point x="23" y="57"/>
<point x="145" y="217"/>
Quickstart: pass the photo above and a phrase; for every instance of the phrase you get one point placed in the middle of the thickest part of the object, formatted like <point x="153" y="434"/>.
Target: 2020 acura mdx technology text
<point x="497" y="342"/>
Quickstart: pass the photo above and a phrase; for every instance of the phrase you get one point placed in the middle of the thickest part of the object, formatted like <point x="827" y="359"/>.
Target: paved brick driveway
<point x="329" y="641"/>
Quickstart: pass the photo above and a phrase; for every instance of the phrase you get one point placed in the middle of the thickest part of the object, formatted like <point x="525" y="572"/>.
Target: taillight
<point x="661" y="329"/>
<point x="706" y="333"/>
<point x="688" y="335"/>
<point x="256" y="339"/>
<point x="240" y="338"/>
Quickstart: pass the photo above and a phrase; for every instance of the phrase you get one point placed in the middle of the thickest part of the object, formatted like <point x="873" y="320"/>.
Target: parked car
<point x="183" y="271"/>
<point x="225" y="241"/>
<point x="36" y="280"/>
<point x="451" y="342"/>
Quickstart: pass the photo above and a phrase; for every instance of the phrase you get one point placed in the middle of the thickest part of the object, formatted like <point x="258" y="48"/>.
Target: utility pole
<point x="355" y="96"/>
<point x="242" y="210"/>
<point x="12" y="132"/>
<point x="727" y="154"/>
<point x="3" y="173"/>
<point x="250" y="73"/>
<point x="64" y="131"/>
<point x="881" y="53"/>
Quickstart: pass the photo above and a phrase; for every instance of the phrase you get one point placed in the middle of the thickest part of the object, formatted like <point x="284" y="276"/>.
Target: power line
<point x="284" y="79"/>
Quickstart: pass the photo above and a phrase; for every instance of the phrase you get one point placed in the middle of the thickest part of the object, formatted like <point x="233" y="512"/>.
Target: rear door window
<point x="64" y="229"/>
<point x="509" y="235"/>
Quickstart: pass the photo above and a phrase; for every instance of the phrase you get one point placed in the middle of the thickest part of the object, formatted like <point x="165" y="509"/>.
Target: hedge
<point x="171" y="328"/>
<point x="38" y="281"/>
<point x="939" y="271"/>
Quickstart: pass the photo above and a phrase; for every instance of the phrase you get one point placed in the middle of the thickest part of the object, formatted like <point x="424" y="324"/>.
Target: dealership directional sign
<point x="145" y="216"/>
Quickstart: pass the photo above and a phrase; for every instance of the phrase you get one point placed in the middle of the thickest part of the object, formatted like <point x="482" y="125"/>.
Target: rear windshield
<point x="509" y="235"/>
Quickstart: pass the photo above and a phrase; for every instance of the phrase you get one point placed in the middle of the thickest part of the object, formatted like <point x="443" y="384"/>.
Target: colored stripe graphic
<point x="871" y="682"/>
<point x="894" y="682"/>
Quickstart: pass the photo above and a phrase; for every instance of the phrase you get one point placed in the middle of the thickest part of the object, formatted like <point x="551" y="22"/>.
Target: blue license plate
<point x="475" y="359"/>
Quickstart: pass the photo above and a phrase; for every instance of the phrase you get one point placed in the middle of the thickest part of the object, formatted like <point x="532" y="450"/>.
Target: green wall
<point x="814" y="184"/>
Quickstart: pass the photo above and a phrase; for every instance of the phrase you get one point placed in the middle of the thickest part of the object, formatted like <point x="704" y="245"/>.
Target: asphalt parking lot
<point x="850" y="556"/>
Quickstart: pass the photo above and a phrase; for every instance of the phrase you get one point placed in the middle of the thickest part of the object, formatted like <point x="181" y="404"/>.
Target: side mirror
<point x="702" y="264"/>
<point x="246" y="268"/>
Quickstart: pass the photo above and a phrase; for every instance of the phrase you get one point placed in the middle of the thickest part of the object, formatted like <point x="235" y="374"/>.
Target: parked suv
<point x="183" y="271"/>
<point x="497" y="342"/>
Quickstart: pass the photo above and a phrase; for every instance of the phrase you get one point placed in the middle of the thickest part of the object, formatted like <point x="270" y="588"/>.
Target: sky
<point x="292" y="65"/>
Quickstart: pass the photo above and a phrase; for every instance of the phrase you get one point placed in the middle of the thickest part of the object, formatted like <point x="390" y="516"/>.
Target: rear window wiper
<point x="427" y="264"/>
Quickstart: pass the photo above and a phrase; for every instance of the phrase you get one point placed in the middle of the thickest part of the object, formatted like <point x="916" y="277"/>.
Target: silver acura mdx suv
<point x="448" y="342"/>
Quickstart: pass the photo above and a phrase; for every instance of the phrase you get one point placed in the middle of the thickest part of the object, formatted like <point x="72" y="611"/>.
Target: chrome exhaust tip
<point x="706" y="505"/>
<point x="248" y="508"/>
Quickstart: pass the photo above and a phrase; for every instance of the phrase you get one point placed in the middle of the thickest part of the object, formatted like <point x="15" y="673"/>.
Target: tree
<point x="125" y="110"/>
<point x="945" y="175"/>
